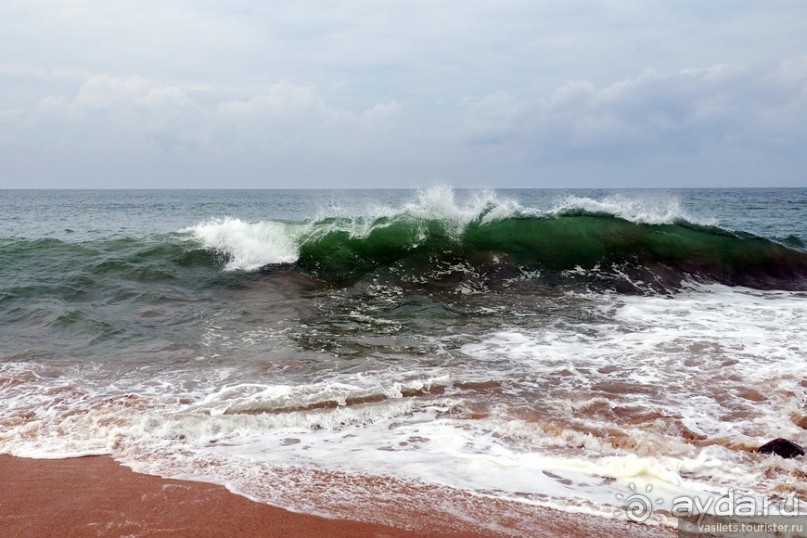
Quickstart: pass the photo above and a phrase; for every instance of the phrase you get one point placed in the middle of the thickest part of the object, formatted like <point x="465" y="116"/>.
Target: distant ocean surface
<point x="544" y="347"/>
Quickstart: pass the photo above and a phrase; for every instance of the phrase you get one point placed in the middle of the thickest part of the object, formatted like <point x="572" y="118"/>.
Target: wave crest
<point x="638" y="210"/>
<point x="249" y="246"/>
<point x="654" y="240"/>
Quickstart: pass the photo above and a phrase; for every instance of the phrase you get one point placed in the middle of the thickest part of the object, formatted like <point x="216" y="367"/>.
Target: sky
<point x="360" y="93"/>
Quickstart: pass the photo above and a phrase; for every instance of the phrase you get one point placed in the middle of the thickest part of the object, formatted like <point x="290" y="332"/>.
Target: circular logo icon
<point x="638" y="506"/>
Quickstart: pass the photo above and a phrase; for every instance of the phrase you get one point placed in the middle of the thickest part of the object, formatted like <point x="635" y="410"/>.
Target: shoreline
<point x="96" y="496"/>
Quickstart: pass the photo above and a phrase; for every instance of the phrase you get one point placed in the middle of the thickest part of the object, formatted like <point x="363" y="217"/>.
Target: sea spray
<point x="651" y="242"/>
<point x="323" y="348"/>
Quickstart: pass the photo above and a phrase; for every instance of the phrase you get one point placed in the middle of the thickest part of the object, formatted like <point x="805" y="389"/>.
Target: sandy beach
<point x="95" y="496"/>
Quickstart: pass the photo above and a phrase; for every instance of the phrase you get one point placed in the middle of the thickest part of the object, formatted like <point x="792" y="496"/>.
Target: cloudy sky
<point x="373" y="93"/>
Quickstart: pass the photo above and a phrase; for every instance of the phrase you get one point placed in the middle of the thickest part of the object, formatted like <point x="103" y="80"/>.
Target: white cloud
<point x="106" y="92"/>
<point x="128" y="122"/>
<point x="471" y="93"/>
<point x="684" y="113"/>
<point x="282" y="100"/>
<point x="132" y="104"/>
<point x="288" y="106"/>
<point x="140" y="102"/>
<point x="297" y="119"/>
<point x="125" y="116"/>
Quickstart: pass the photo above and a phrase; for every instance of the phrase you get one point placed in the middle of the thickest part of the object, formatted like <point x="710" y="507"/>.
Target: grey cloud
<point x="692" y="114"/>
<point x="365" y="93"/>
<point x="137" y="122"/>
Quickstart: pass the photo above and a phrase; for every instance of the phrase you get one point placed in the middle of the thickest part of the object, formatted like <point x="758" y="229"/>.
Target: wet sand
<point x="95" y="496"/>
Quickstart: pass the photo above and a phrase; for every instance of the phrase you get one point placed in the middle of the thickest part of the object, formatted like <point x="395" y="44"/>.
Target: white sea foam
<point x="640" y="209"/>
<point x="689" y="362"/>
<point x="668" y="391"/>
<point x="711" y="367"/>
<point x="561" y="400"/>
<point x="440" y="203"/>
<point x="250" y="246"/>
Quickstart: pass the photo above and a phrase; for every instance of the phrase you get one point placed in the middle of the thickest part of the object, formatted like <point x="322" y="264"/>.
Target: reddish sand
<point x="95" y="496"/>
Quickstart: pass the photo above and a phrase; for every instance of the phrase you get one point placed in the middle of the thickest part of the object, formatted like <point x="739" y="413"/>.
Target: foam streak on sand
<point x="97" y="497"/>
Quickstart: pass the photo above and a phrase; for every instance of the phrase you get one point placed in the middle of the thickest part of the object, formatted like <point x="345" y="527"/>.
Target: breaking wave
<point x="499" y="238"/>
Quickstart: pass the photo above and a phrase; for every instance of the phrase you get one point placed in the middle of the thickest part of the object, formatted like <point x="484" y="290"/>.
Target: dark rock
<point x="781" y="447"/>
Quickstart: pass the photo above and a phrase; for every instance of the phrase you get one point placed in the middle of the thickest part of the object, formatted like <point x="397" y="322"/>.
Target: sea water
<point x="552" y="348"/>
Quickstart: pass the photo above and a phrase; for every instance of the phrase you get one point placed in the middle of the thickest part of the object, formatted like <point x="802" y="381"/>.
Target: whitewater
<point x="547" y="348"/>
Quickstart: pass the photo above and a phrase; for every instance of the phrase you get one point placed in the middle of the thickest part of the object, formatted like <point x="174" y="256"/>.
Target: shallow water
<point x="545" y="347"/>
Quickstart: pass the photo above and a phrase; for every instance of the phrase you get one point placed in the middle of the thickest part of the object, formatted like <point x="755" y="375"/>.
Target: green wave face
<point x="557" y="244"/>
<point x="96" y="292"/>
<point x="72" y="271"/>
<point x="339" y="255"/>
<point x="580" y="248"/>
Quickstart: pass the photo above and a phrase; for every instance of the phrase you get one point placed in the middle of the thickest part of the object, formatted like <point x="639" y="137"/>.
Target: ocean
<point x="317" y="350"/>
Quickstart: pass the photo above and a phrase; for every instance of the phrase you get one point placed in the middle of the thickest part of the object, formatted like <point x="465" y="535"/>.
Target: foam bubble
<point x="249" y="246"/>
